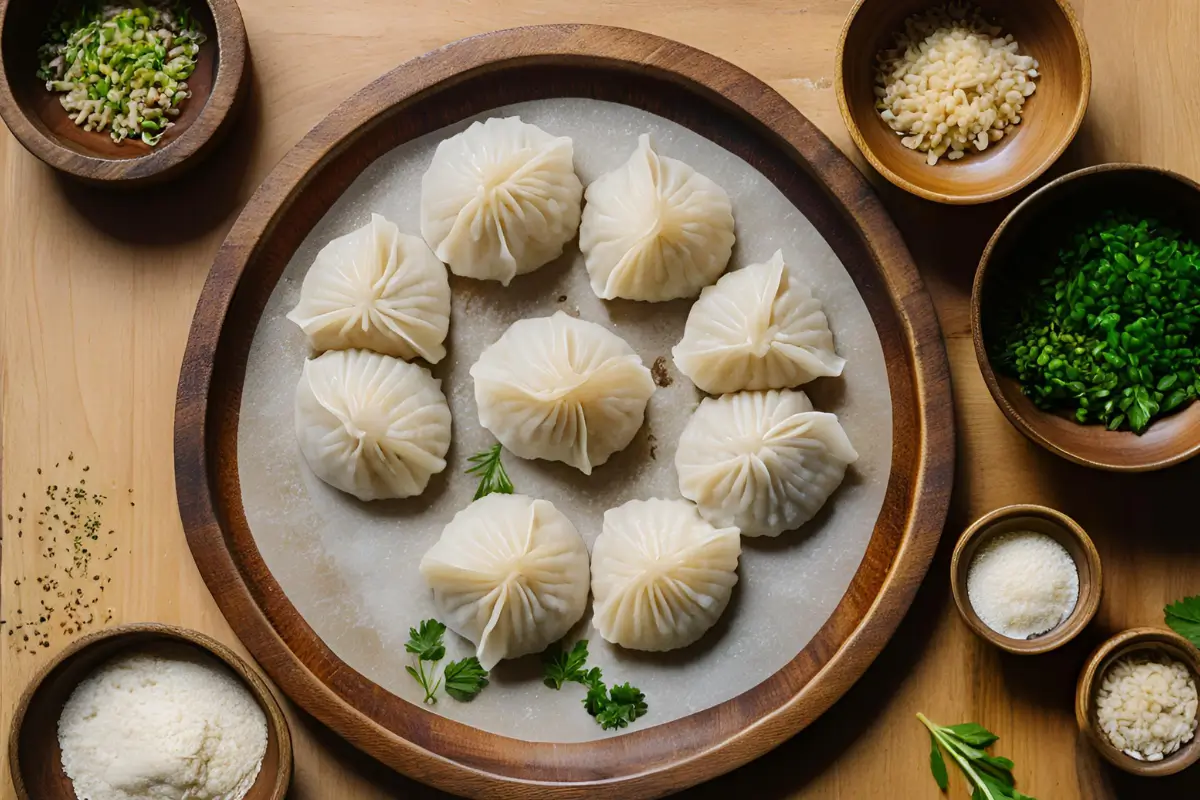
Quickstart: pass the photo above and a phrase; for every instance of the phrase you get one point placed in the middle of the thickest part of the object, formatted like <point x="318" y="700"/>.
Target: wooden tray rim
<point x="734" y="90"/>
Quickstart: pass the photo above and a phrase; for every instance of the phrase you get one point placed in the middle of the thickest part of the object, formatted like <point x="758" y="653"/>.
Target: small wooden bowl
<point x="1133" y="640"/>
<point x="219" y="85"/>
<point x="1042" y="520"/>
<point x="34" y="757"/>
<point x="1025" y="242"/>
<point x="1046" y="29"/>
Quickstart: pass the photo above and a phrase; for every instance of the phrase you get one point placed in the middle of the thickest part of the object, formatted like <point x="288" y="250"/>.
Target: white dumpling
<point x="763" y="462"/>
<point x="661" y="575"/>
<point x="500" y="199"/>
<point x="376" y="289"/>
<point x="562" y="389"/>
<point x="757" y="328"/>
<point x="655" y="229"/>
<point x="371" y="425"/>
<point x="510" y="573"/>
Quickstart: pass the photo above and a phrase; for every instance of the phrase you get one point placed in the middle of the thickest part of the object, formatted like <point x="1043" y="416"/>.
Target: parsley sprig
<point x="463" y="679"/>
<point x="612" y="708"/>
<point x="492" y="477"/>
<point x="990" y="776"/>
<point x="1183" y="617"/>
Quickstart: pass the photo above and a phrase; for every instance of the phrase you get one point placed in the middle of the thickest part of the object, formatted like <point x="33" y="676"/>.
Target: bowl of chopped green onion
<point x="1085" y="315"/>
<point x="125" y="92"/>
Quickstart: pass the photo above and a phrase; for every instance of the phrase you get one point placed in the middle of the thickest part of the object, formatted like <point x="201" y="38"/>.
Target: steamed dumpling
<point x="764" y="462"/>
<point x="655" y="229"/>
<point x="510" y="573"/>
<point x="757" y="328"/>
<point x="562" y="389"/>
<point x="661" y="575"/>
<point x="371" y="425"/>
<point x="500" y="199"/>
<point x="376" y="289"/>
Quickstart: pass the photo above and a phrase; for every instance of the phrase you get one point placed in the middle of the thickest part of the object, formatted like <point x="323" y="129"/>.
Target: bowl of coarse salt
<point x="1136" y="701"/>
<point x="1026" y="578"/>
<point x="149" y="711"/>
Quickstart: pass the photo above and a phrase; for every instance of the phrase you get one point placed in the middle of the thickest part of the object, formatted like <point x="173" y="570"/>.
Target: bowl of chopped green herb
<point x="1085" y="315"/>
<point x="121" y="93"/>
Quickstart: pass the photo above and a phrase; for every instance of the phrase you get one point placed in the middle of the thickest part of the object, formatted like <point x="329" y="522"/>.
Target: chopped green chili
<point x="122" y="69"/>
<point x="1111" y="333"/>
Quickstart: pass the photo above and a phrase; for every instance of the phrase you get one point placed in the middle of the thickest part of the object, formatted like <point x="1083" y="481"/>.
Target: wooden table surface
<point x="98" y="291"/>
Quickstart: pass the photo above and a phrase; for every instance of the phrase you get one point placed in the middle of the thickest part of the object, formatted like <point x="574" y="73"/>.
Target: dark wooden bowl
<point x="1046" y="29"/>
<point x="1130" y="641"/>
<point x="1024" y="243"/>
<point x="34" y="758"/>
<point x="1042" y="520"/>
<point x="35" y="116"/>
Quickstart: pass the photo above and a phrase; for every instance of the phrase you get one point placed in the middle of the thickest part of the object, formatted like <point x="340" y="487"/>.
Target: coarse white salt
<point x="1022" y="583"/>
<point x="1146" y="705"/>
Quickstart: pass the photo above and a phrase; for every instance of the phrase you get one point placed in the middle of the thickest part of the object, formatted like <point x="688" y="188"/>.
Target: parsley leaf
<point x="625" y="704"/>
<point x="426" y="642"/>
<point x="1183" y="617"/>
<point x="465" y="679"/>
<point x="563" y="665"/>
<point x="989" y="776"/>
<point x="492" y="477"/>
<point x="612" y="709"/>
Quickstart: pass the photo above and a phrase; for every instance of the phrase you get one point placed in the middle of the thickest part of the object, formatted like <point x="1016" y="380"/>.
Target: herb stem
<point x="963" y="764"/>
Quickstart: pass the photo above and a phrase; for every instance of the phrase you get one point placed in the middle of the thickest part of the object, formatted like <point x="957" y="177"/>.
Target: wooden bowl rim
<point x="1089" y="594"/>
<point x="276" y="720"/>
<point x="984" y="360"/>
<point x="231" y="68"/>
<point x="1085" y="63"/>
<point x="1085" y="690"/>
<point x="241" y="589"/>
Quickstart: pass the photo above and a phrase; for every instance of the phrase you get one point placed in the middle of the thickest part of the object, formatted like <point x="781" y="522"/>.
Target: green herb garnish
<point x="122" y="69"/>
<point x="990" y="776"/>
<point x="1111" y="334"/>
<point x="1183" y="617"/>
<point x="463" y="679"/>
<point x="492" y="477"/>
<point x="614" y="708"/>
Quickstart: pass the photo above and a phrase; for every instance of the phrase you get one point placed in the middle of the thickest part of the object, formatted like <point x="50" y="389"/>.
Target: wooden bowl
<point x="34" y="757"/>
<point x="219" y="85"/>
<point x="1024" y="243"/>
<point x="1046" y="29"/>
<point x="1130" y="641"/>
<point x="1066" y="532"/>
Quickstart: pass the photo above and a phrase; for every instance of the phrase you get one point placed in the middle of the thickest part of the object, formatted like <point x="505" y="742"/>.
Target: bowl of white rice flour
<point x="149" y="712"/>
<point x="1136" y="701"/>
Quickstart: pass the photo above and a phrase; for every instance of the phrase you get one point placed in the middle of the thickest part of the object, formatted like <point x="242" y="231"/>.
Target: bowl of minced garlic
<point x="1026" y="578"/>
<point x="1136" y="701"/>
<point x="146" y="712"/>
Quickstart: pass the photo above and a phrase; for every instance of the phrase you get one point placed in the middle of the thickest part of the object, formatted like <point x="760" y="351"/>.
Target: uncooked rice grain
<point x="953" y="82"/>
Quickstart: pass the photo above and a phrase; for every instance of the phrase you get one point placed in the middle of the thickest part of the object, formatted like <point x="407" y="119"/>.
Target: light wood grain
<point x="94" y="327"/>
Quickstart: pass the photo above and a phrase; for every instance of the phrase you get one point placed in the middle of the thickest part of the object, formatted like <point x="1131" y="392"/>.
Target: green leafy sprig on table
<point x="492" y="477"/>
<point x="612" y="708"/>
<point x="463" y="679"/>
<point x="1113" y="333"/>
<point x="990" y="776"/>
<point x="1183" y="617"/>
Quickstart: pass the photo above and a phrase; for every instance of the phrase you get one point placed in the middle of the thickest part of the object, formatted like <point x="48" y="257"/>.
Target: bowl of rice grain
<point x="1136" y="701"/>
<point x="959" y="102"/>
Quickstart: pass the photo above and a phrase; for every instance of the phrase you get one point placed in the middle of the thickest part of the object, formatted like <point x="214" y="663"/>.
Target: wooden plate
<point x="731" y="108"/>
